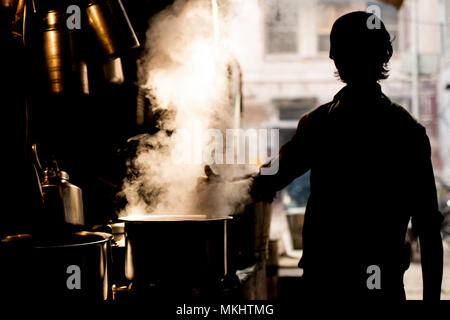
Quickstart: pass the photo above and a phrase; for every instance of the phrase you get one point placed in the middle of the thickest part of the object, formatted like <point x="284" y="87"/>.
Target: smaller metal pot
<point x="71" y="269"/>
<point x="250" y="235"/>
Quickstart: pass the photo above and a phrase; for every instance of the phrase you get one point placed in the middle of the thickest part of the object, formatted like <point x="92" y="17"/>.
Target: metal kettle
<point x="63" y="202"/>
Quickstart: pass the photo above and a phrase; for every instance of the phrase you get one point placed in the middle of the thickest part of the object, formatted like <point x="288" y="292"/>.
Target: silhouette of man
<point x="370" y="173"/>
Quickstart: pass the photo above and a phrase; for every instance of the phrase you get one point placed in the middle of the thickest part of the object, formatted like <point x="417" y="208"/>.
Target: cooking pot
<point x="74" y="268"/>
<point x="186" y="250"/>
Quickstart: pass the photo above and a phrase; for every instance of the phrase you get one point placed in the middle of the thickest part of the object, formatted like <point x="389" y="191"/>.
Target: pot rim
<point x="104" y="238"/>
<point x="171" y="218"/>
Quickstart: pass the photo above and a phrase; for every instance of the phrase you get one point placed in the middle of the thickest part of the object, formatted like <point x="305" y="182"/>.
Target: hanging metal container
<point x="113" y="71"/>
<point x="64" y="69"/>
<point x="111" y="27"/>
<point x="53" y="39"/>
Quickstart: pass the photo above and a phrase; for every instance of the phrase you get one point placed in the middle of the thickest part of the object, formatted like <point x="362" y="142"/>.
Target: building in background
<point x="444" y="91"/>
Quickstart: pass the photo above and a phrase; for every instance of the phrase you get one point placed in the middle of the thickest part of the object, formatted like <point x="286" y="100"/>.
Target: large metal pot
<point x="181" y="250"/>
<point x="71" y="269"/>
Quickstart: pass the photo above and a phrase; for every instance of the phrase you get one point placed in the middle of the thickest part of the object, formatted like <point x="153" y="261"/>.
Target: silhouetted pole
<point x="415" y="73"/>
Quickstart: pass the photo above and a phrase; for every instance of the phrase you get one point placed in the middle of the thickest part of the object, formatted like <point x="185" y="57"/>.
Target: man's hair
<point x="361" y="47"/>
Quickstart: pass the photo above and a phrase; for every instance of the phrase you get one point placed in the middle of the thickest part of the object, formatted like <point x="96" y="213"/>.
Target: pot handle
<point x="37" y="169"/>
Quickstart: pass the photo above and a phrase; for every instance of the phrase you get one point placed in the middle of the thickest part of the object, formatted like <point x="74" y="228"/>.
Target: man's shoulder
<point x="393" y="113"/>
<point x="319" y="111"/>
<point x="394" y="110"/>
<point x="402" y="116"/>
<point x="314" y="118"/>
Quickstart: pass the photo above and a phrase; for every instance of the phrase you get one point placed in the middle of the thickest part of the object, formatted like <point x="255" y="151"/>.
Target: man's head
<point x="360" y="48"/>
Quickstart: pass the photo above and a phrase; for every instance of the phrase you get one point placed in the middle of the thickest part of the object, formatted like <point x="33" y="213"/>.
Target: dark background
<point x="84" y="132"/>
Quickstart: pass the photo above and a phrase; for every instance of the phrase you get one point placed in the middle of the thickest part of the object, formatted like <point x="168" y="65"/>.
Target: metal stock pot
<point x="185" y="250"/>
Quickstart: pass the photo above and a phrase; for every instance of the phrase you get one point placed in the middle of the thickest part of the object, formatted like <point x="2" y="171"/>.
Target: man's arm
<point x="292" y="162"/>
<point x="427" y="221"/>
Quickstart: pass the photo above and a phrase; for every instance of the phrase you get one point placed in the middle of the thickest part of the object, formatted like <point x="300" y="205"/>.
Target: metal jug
<point x="63" y="203"/>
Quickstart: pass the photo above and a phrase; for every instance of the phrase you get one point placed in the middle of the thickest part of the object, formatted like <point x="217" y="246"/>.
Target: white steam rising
<point x="186" y="70"/>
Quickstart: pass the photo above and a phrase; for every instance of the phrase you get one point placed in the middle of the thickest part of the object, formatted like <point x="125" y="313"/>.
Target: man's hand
<point x="209" y="178"/>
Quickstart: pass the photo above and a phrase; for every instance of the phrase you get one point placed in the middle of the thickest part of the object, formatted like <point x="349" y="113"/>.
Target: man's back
<point x="370" y="173"/>
<point x="363" y="151"/>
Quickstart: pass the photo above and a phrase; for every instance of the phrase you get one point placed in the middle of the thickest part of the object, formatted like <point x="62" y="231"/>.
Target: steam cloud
<point x="187" y="71"/>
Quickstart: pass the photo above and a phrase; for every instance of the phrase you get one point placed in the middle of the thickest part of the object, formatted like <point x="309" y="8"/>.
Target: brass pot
<point x="53" y="39"/>
<point x="64" y="69"/>
<point x="111" y="27"/>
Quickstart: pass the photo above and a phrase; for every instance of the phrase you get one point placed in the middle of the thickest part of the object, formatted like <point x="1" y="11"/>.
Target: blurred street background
<point x="413" y="278"/>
